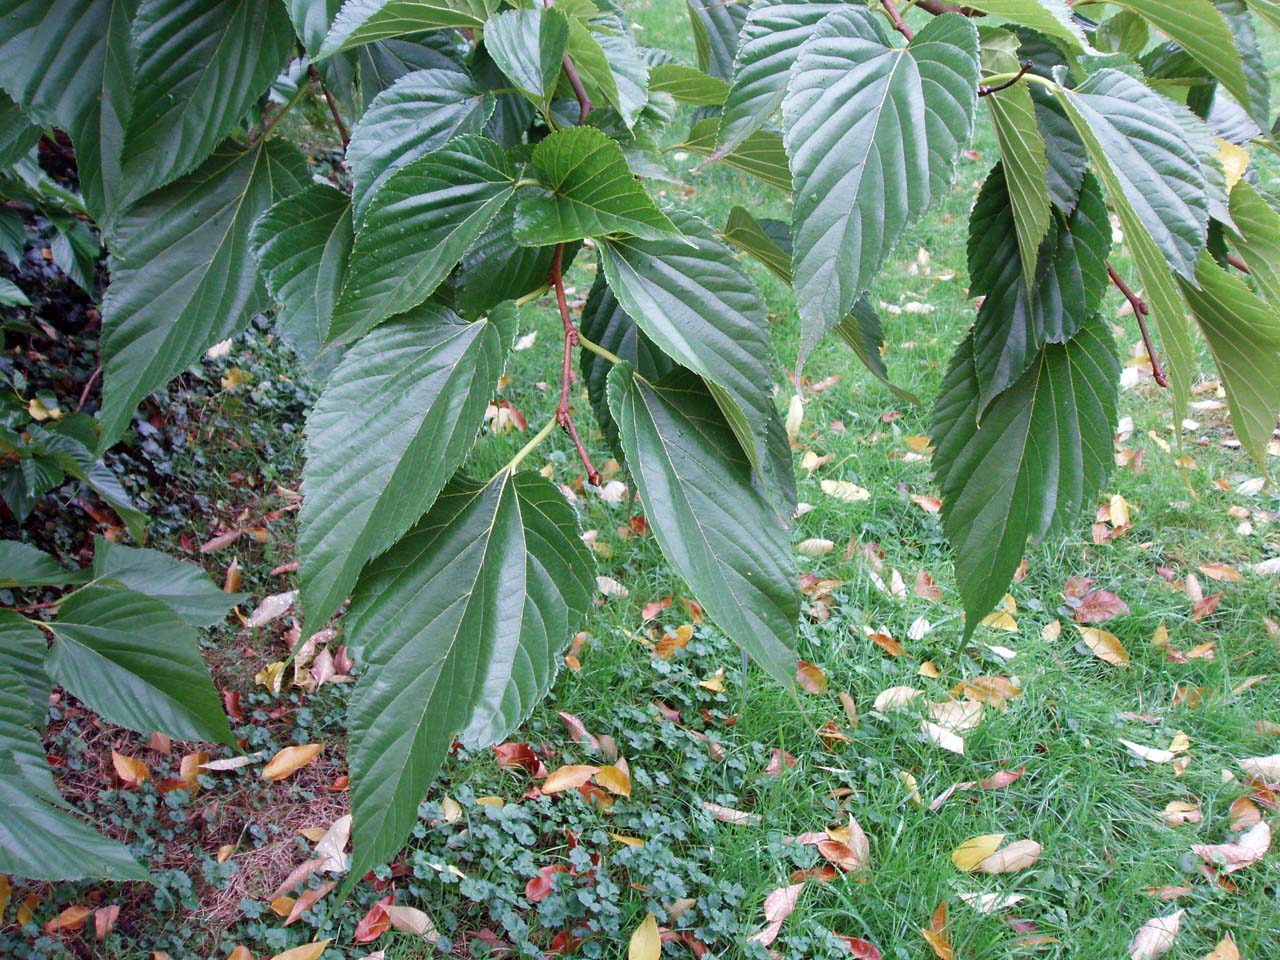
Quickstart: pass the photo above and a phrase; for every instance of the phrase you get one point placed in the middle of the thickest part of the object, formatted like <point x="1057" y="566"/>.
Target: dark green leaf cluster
<point x="488" y="144"/>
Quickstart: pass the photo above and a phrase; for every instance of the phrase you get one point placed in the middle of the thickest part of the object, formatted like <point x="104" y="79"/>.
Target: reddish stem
<point x="898" y="23"/>
<point x="985" y="91"/>
<point x="585" y="105"/>
<point x="564" y="415"/>
<point x="84" y="394"/>
<point x="333" y="106"/>
<point x="1140" y="310"/>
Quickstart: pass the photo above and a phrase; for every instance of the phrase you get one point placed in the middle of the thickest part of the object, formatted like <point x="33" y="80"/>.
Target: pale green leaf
<point x="761" y="155"/>
<point x="364" y="21"/>
<point x="870" y="150"/>
<point x="395" y="421"/>
<point x="1258" y="239"/>
<point x="688" y="85"/>
<point x="1050" y="17"/>
<point x="528" y="46"/>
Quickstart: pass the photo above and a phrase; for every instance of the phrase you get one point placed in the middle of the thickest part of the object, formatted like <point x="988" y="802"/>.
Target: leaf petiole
<point x="527" y="449"/>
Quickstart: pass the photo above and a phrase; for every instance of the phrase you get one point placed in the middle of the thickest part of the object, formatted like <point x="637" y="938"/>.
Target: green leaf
<point x="605" y="323"/>
<point x="693" y="300"/>
<point x="22" y="565"/>
<point x="1070" y="278"/>
<point x="592" y="193"/>
<point x="459" y="628"/>
<point x="1159" y="192"/>
<point x="420" y="223"/>
<point x="364" y="21"/>
<point x="856" y="115"/>
<point x="1268" y="10"/>
<point x="419" y="113"/>
<point x="42" y="842"/>
<point x="716" y="26"/>
<point x="99" y="134"/>
<point x="761" y="155"/>
<point x="1068" y="160"/>
<point x="1050" y="17"/>
<point x="22" y="650"/>
<point x="182" y="277"/>
<point x="1198" y="27"/>
<point x="1244" y="334"/>
<point x="17" y="133"/>
<point x="478" y="286"/>
<point x="528" y="46"/>
<point x="197" y="70"/>
<point x="688" y="85"/>
<point x="769" y="44"/>
<point x="51" y="55"/>
<point x="1022" y="150"/>
<point x="769" y="241"/>
<point x="718" y="532"/>
<point x="1038" y="459"/>
<point x="184" y="588"/>
<point x="610" y="68"/>
<point x="1258" y="238"/>
<point x="311" y="20"/>
<point x="395" y="421"/>
<point x="130" y="658"/>
<point x="1252" y="59"/>
<point x="384" y="62"/>
<point x="20" y="741"/>
<point x="302" y="245"/>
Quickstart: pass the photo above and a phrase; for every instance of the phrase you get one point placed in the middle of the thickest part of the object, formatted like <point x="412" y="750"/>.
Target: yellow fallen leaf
<point x="811" y="461"/>
<point x="1180" y="743"/>
<point x="450" y="810"/>
<point x="569" y="777"/>
<point x="1051" y="631"/>
<point x="1161" y="637"/>
<point x="240" y="953"/>
<point x="627" y="841"/>
<point x="1119" y="511"/>
<point x="1225" y="950"/>
<point x="308" y="951"/>
<point x="1105" y="646"/>
<point x="646" y="943"/>
<point x="615" y="780"/>
<point x="132" y="771"/>
<point x="225" y="851"/>
<point x="1222" y="572"/>
<point x="6" y="892"/>
<point x="846" y="491"/>
<point x="290" y="760"/>
<point x="496" y="802"/>
<point x="970" y="854"/>
<point x="282" y="906"/>
<point x="715" y="682"/>
<point x="920" y="445"/>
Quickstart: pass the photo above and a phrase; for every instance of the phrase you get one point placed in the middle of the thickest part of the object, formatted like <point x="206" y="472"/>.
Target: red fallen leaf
<point x="926" y="588"/>
<point x="221" y="540"/>
<point x="639" y="525"/>
<point x="231" y="703"/>
<point x="374" y="923"/>
<point x="1099" y="606"/>
<point x="340" y="783"/>
<point x="779" y="760"/>
<point x="653" y="609"/>
<point x="343" y="662"/>
<point x="778" y="905"/>
<point x="692" y="608"/>
<point x="670" y="714"/>
<point x="860" y="948"/>
<point x="823" y="874"/>
<point x="563" y="942"/>
<point x="519" y="756"/>
<point x="104" y="921"/>
<point x="539" y="888"/>
<point x="1076" y="587"/>
<point x="1001" y="778"/>
<point x="578" y="731"/>
<point x="1205" y="607"/>
<point x="811" y="678"/>
<point x="841" y="855"/>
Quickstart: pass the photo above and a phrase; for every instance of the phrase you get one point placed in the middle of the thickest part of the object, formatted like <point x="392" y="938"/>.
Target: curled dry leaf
<point x="1230" y="857"/>
<point x="1105" y="646"/>
<point x="995" y="691"/>
<point x="815" y="547"/>
<point x="271" y="608"/>
<point x="568" y="777"/>
<point x="1262" y="768"/>
<point x="1178" y="812"/>
<point x="289" y="761"/>
<point x="1155" y="937"/>
<point x="778" y="905"/>
<point x="1018" y="855"/>
<point x="132" y="772"/>
<point x="846" y="491"/>
<point x="1150" y="754"/>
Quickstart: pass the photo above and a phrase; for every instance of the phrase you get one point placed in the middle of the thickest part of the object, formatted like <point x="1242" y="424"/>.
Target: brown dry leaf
<point x="778" y="905"/>
<point x="1105" y="646"/>
<point x="290" y="760"/>
<point x="1018" y="855"/>
<point x="104" y="920"/>
<point x="411" y="920"/>
<point x="889" y="645"/>
<point x="132" y="772"/>
<point x="234" y="579"/>
<point x="956" y="715"/>
<point x="27" y="909"/>
<point x="850" y="709"/>
<point x="1178" y="812"/>
<point x="1155" y="937"/>
<point x="811" y="678"/>
<point x="937" y="936"/>
<point x="307" y="899"/>
<point x="1230" y="857"/>
<point x="568" y="777"/>
<point x="614" y="779"/>
<point x="1225" y="950"/>
<point x="70" y="919"/>
<point x="729" y="815"/>
<point x="308" y="951"/>
<point x="1222" y="572"/>
<point x="225" y="851"/>
<point x="1244" y="814"/>
<point x="1001" y="779"/>
<point x="927" y="504"/>
<point x="6" y="893"/>
<point x="970" y="854"/>
<point x="925" y="586"/>
<point x="1262" y="768"/>
<point x="240" y="953"/>
<point x="646" y="942"/>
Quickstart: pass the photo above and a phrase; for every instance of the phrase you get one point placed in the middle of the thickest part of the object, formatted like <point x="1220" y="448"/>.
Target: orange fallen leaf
<point x="290" y="760"/>
<point x="614" y="779"/>
<point x="1222" y="572"/>
<point x="27" y="909"/>
<point x="104" y="921"/>
<point x="240" y="953"/>
<point x="994" y="691"/>
<point x="307" y="899"/>
<point x="69" y="920"/>
<point x="936" y="934"/>
<point x="715" y="682"/>
<point x="308" y="951"/>
<point x="1244" y="814"/>
<point x="888" y="644"/>
<point x="132" y="772"/>
<point x="927" y="504"/>
<point x="1225" y="950"/>
<point x="568" y="777"/>
<point x="811" y="678"/>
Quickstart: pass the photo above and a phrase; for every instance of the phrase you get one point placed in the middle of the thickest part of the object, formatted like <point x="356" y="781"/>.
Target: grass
<point x="1096" y="809"/>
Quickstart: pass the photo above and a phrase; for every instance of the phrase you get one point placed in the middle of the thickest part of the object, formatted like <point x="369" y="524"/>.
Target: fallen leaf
<point x="1018" y="855"/>
<point x="715" y="682"/>
<point x="69" y="920"/>
<point x="412" y="920"/>
<point x="941" y="737"/>
<point x="568" y="777"/>
<point x="1178" y="812"/>
<point x="729" y="815"/>
<point x="1168" y="892"/>
<point x="614" y="779"/>
<point x="1150" y="754"/>
<point x="846" y="491"/>
<point x="888" y="644"/>
<point x="627" y="841"/>
<point x="646" y="942"/>
<point x="288" y="761"/>
<point x="994" y="691"/>
<point x="895" y="698"/>
<point x="1222" y="572"/>
<point x="307" y="899"/>
<point x="540" y="887"/>
<point x="132" y="772"/>
<point x="988" y="903"/>
<point x="240" y="953"/>
<point x="374" y="923"/>
<point x="611" y="587"/>
<point x="1105" y="646"/>
<point x="927" y="504"/>
<point x="850" y="709"/>
<point x="815" y="547"/>
<point x="956" y="715"/>
<point x="104" y="921"/>
<point x="1155" y="937"/>
<point x="1099" y="606"/>
<point x="1263" y="768"/>
<point x="778" y="905"/>
<point x="271" y="608"/>
<point x="811" y="678"/>
<point x="578" y="731"/>
<point x="1244" y="814"/>
<point x="779" y="761"/>
<point x="331" y="847"/>
<point x="1225" y="950"/>
<point x="970" y="854"/>
<point x="936" y="934"/>
<point x="1230" y="857"/>
<point x="861" y="949"/>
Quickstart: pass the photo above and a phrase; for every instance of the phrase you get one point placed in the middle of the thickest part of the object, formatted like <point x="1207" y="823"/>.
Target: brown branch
<point x="333" y="106"/>
<point x="84" y="394"/>
<point x="585" y="105"/>
<point x="564" y="415"/>
<point x="1140" y="310"/>
<point x="985" y="91"/>
<point x="891" y="10"/>
<point x="939" y="7"/>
